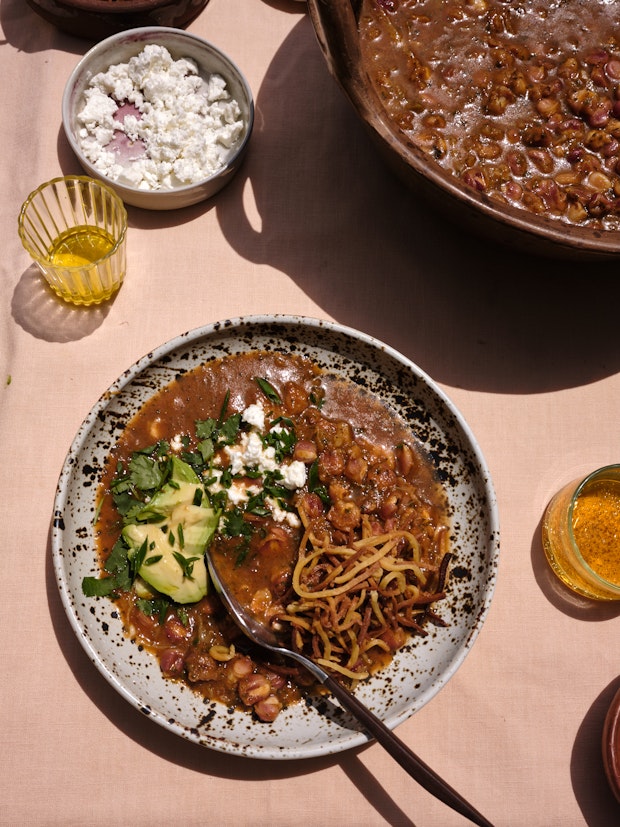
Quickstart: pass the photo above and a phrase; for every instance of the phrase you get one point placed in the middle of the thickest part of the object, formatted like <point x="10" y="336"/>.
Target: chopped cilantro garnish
<point x="256" y="505"/>
<point x="283" y="440"/>
<point x="145" y="472"/>
<point x="98" y="586"/>
<point x="315" y="485"/>
<point x="206" y="449"/>
<point x="98" y="508"/>
<point x="157" y="607"/>
<point x="226" y="478"/>
<point x="317" y="401"/>
<point x="234" y="525"/>
<point x="118" y="567"/>
<point x="136" y="560"/>
<point x="205" y="428"/>
<point x="230" y="429"/>
<point x="223" y="409"/>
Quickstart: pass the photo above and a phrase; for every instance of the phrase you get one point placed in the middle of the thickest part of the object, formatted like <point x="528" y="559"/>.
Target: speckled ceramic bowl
<point x="417" y="672"/>
<point x="335" y="23"/>
<point x="95" y="19"/>
<point x="119" y="49"/>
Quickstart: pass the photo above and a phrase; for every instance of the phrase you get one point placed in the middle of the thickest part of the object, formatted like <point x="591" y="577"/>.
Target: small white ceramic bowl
<point x="119" y="48"/>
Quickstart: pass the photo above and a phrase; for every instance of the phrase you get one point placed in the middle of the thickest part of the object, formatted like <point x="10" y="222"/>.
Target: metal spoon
<point x="410" y="762"/>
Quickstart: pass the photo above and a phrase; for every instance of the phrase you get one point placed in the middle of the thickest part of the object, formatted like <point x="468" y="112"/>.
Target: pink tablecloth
<point x="528" y="349"/>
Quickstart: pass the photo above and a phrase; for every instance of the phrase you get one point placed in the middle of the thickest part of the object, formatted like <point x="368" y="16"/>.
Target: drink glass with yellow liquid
<point x="581" y="534"/>
<point x="75" y="229"/>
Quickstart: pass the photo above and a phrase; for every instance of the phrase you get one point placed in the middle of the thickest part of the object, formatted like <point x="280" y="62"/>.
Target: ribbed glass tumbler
<point x="75" y="229"/>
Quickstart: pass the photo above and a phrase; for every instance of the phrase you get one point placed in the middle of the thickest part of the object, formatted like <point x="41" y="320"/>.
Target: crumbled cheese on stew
<point x="250" y="454"/>
<point x="176" y="443"/>
<point x="155" y="123"/>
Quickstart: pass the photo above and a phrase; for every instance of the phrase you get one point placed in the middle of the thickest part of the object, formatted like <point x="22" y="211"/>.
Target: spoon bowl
<point x="266" y="638"/>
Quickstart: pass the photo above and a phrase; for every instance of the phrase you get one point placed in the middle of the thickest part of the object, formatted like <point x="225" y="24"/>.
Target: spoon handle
<point x="407" y="759"/>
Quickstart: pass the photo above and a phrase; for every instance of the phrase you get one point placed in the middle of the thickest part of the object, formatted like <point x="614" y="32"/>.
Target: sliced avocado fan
<point x="171" y="535"/>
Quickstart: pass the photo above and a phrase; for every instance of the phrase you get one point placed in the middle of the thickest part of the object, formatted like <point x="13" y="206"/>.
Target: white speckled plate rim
<point x="416" y="674"/>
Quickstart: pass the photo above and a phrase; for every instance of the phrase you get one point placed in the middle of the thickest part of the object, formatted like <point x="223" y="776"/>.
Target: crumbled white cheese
<point x="179" y="127"/>
<point x="293" y="475"/>
<point x="280" y="515"/>
<point x="250" y="453"/>
<point x="238" y="494"/>
<point x="176" y="443"/>
<point x="255" y="415"/>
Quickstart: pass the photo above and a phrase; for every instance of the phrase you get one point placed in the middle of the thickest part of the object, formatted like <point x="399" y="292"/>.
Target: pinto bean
<point x="172" y="662"/>
<point x="305" y="451"/>
<point x="381" y="476"/>
<point x="345" y="515"/>
<point x="339" y="490"/>
<point x="405" y="459"/>
<point x="331" y="463"/>
<point x="312" y="505"/>
<point x="241" y="666"/>
<point x="267" y="710"/>
<point x="175" y="630"/>
<point x="356" y="468"/>
<point x="254" y="688"/>
<point x="295" y="397"/>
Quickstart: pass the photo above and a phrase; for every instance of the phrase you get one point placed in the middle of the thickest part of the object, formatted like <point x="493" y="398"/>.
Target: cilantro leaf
<point x="145" y="472"/>
<point x="283" y="440"/>
<point x="206" y="449"/>
<point x="157" y="607"/>
<point x="234" y="525"/>
<point x="315" y="486"/>
<point x="205" y="428"/>
<point x="98" y="586"/>
<point x="230" y="429"/>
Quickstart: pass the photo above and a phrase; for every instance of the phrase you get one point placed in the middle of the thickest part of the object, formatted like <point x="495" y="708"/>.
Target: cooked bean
<point x="305" y="451"/>
<point x="241" y="666"/>
<point x="295" y="398"/>
<point x="504" y="97"/>
<point x="172" y="662"/>
<point x="331" y="463"/>
<point x="267" y="710"/>
<point x="356" y="466"/>
<point x="344" y="515"/>
<point x="254" y="688"/>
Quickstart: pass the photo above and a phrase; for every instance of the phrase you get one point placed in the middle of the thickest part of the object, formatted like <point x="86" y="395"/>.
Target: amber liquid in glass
<point x="80" y="246"/>
<point x="596" y="528"/>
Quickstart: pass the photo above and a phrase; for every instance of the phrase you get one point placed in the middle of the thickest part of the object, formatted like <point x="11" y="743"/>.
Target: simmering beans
<point x="519" y="100"/>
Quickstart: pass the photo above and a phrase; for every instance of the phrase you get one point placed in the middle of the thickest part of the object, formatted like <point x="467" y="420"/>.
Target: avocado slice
<point x="176" y="530"/>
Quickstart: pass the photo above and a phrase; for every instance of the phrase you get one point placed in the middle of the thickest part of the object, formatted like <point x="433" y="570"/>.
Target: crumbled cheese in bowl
<point x="154" y="123"/>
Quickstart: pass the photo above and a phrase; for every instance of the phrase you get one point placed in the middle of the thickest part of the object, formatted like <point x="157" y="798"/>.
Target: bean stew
<point x="519" y="100"/>
<point x="300" y="465"/>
